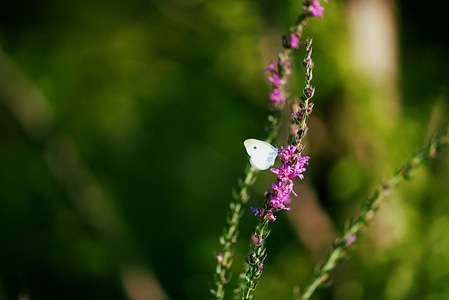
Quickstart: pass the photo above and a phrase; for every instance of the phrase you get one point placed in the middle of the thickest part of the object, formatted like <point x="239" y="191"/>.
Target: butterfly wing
<point x="262" y="161"/>
<point x="262" y="154"/>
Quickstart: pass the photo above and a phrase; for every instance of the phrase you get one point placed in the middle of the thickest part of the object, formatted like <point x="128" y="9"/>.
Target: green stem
<point x="369" y="208"/>
<point x="256" y="259"/>
<point x="230" y="232"/>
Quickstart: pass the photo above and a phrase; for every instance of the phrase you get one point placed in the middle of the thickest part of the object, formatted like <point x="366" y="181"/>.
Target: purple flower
<point x="257" y="241"/>
<point x="269" y="216"/>
<point x="271" y="67"/>
<point x="279" y="195"/>
<point x="294" y="41"/>
<point x="276" y="80"/>
<point x="316" y="9"/>
<point x="292" y="163"/>
<point x="276" y="96"/>
<point x="257" y="211"/>
<point x="350" y="240"/>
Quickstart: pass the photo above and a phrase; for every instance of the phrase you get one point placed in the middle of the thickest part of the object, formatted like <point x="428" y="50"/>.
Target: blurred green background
<point x="121" y="130"/>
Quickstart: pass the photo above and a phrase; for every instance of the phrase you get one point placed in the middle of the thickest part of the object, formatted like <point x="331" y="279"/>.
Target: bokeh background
<point x="121" y="130"/>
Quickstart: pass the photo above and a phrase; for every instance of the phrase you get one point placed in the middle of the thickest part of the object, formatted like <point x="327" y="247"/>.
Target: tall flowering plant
<point x="293" y="165"/>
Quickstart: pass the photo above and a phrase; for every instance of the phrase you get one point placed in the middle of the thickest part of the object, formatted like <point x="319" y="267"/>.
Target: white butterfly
<point x="262" y="154"/>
